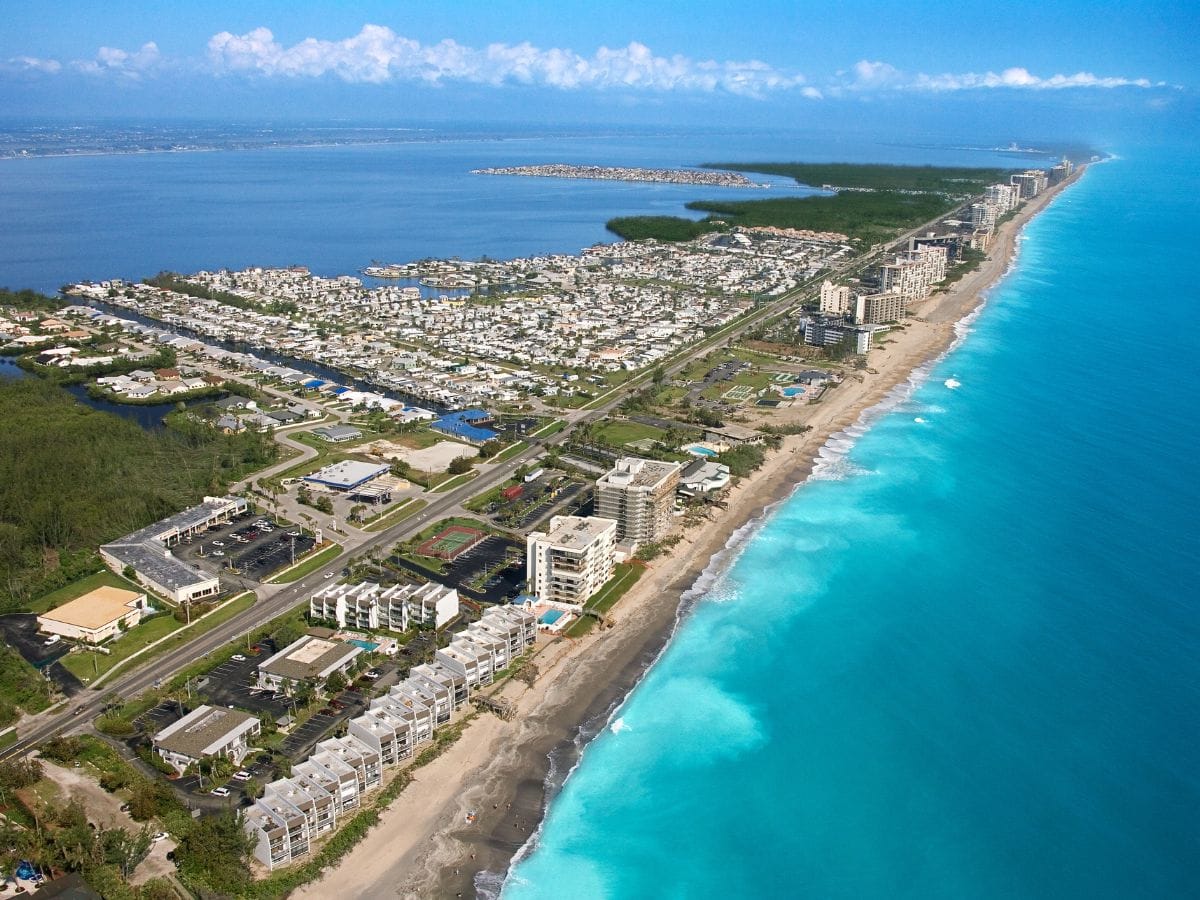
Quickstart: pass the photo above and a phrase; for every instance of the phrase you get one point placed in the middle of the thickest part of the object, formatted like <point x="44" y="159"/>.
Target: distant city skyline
<point x="1063" y="67"/>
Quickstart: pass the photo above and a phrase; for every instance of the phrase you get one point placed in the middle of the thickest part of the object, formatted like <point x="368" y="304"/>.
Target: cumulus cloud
<point x="122" y="63"/>
<point x="377" y="54"/>
<point x="872" y="76"/>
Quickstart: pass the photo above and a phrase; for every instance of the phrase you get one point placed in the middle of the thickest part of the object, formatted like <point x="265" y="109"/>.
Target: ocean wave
<point x="920" y="420"/>
<point x="952" y="383"/>
<point x="618" y="725"/>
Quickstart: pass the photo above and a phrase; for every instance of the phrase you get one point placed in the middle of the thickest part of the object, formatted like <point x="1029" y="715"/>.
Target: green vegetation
<point x="513" y="449"/>
<point x="950" y="180"/>
<point x="900" y="197"/>
<point x="660" y="228"/>
<point x="625" y="576"/>
<point x="744" y="459"/>
<point x="396" y="514"/>
<point x="457" y="480"/>
<point x="87" y="665"/>
<point x="617" y="433"/>
<point x="309" y="565"/>
<point x="30" y="300"/>
<point x="72" y="478"/>
<point x="22" y="689"/>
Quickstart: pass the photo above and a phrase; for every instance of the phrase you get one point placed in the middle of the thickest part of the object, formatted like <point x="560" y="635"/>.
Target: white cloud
<point x="32" y="64"/>
<point x="377" y="54"/>
<point x="122" y="63"/>
<point x="871" y="76"/>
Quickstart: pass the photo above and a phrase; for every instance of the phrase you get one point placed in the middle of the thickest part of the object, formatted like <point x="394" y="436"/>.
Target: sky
<point x="1070" y="66"/>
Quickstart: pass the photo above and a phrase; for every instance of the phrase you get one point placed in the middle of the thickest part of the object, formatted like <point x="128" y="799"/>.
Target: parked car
<point x="238" y="657"/>
<point x="218" y="543"/>
<point x="218" y="553"/>
<point x="52" y="640"/>
<point x="372" y="674"/>
<point x="330" y="574"/>
<point x="220" y="791"/>
<point x="242" y="775"/>
<point x="161" y="836"/>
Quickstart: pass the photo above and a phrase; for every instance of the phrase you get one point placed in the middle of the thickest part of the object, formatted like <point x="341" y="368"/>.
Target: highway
<point x="275" y="600"/>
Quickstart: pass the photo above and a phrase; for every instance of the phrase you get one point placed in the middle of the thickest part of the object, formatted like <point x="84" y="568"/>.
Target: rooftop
<point x="95" y="609"/>
<point x="204" y="730"/>
<point x="630" y="471"/>
<point x="577" y="531"/>
<point x="309" y="657"/>
<point x="348" y="474"/>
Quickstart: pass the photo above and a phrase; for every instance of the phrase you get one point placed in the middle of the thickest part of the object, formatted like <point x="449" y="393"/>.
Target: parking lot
<point x="232" y="684"/>
<point x="252" y="550"/>
<point x="20" y="631"/>
<point x="487" y="554"/>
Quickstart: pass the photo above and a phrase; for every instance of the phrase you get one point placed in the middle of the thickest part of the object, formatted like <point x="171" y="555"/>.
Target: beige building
<point x="206" y="732"/>
<point x="875" y="309"/>
<point x="573" y="560"/>
<point x="95" y="617"/>
<point x="310" y="659"/>
<point x="639" y="494"/>
<point x="835" y="298"/>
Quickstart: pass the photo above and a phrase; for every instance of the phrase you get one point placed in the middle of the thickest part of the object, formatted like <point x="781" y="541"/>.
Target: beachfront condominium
<point x="639" y="494"/>
<point x="914" y="272"/>
<point x="572" y="560"/>
<point x="396" y="608"/>
<point x="875" y="309"/>
<point x="1030" y="183"/>
<point x="835" y="298"/>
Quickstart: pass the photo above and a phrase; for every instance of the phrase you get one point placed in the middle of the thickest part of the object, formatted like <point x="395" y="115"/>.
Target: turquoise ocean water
<point x="963" y="661"/>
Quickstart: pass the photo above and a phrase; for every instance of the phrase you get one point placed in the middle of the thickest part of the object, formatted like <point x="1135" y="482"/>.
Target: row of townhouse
<point x="336" y="778"/>
<point x="371" y="606"/>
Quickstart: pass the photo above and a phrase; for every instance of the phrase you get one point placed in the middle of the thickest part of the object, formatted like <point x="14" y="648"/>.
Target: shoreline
<point x="503" y="772"/>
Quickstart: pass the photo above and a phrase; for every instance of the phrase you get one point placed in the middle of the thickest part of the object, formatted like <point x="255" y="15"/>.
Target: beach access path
<point x="423" y="845"/>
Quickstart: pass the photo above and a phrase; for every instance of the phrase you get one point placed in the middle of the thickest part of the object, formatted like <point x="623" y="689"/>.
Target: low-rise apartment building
<point x="204" y="733"/>
<point x="309" y="659"/>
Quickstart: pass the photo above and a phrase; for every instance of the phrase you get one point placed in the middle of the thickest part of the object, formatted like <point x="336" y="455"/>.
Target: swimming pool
<point x="366" y="645"/>
<point x="697" y="450"/>
<point x="550" y="616"/>
<point x="793" y="391"/>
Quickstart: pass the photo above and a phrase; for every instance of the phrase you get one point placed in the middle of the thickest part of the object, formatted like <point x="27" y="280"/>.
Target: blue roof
<point x="313" y="383"/>
<point x="341" y="390"/>
<point x="458" y="424"/>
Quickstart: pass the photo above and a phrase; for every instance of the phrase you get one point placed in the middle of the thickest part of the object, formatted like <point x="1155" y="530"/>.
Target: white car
<point x="218" y="553"/>
<point x="238" y="657"/>
<point x="54" y="639"/>
<point x="161" y="836"/>
<point x="242" y="775"/>
<point x="218" y="543"/>
<point x="330" y="574"/>
<point x="220" y="791"/>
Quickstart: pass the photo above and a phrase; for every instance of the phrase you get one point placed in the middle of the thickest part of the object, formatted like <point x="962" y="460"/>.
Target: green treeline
<point x="72" y="478"/>
<point x="172" y="281"/>
<point x="880" y="177"/>
<point x="866" y="217"/>
<point x="30" y="300"/>
<point x="21" y="688"/>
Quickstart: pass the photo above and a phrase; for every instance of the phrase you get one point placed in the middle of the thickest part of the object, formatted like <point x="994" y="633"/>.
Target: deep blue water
<point x="964" y="661"/>
<point x="337" y="208"/>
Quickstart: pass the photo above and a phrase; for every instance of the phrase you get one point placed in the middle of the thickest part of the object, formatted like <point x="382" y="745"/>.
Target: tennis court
<point x="739" y="393"/>
<point x="451" y="542"/>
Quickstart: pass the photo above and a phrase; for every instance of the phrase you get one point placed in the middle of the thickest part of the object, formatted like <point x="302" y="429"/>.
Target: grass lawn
<point x="513" y="449"/>
<point x="552" y="427"/>
<point x="87" y="665"/>
<point x="451" y="483"/>
<point x="9" y="737"/>
<point x="79" y="588"/>
<point x="395" y="514"/>
<point x="618" y="434"/>
<point x="625" y="576"/>
<point x="307" y="565"/>
<point x="175" y="637"/>
<point x="480" y="501"/>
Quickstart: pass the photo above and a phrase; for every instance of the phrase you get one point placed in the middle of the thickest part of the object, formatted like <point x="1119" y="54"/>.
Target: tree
<point x="459" y="465"/>
<point x="335" y="683"/>
<point x="488" y="449"/>
<point x="130" y="573"/>
<point x="215" y="851"/>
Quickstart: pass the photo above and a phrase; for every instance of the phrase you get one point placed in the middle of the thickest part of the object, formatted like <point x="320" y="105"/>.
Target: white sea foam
<point x="618" y="725"/>
<point x="919" y="420"/>
<point x="952" y="383"/>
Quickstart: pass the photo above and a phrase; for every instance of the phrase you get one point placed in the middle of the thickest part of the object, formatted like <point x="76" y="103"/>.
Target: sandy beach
<point x="423" y="845"/>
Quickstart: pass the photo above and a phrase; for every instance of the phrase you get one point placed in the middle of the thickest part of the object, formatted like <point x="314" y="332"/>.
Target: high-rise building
<point x="640" y="495"/>
<point x="573" y="560"/>
<point x="875" y="309"/>
<point x="835" y="298"/>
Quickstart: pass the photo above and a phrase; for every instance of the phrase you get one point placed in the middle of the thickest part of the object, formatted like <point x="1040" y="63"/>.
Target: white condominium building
<point x="835" y="298"/>
<point x="368" y="605"/>
<point x="573" y="560"/>
<point x="639" y="494"/>
<point x="914" y="273"/>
